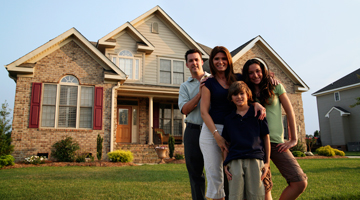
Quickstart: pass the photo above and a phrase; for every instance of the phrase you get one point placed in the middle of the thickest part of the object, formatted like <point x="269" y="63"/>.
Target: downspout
<point x="113" y="98"/>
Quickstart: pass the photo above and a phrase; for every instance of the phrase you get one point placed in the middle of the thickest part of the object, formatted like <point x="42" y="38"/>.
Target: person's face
<point x="240" y="99"/>
<point x="255" y="73"/>
<point x="220" y="62"/>
<point x="194" y="63"/>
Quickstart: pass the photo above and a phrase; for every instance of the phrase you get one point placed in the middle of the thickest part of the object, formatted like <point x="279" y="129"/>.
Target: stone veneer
<point x="295" y="98"/>
<point x="70" y="59"/>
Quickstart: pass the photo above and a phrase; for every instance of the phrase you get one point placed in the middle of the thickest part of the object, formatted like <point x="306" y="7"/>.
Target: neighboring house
<point x="121" y="87"/>
<point x="339" y="123"/>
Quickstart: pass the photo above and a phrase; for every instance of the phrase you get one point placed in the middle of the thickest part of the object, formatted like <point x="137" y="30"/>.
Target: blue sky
<point x="319" y="40"/>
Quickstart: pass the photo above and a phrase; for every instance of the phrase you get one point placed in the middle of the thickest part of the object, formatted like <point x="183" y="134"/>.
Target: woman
<point x="272" y="97"/>
<point x="214" y="95"/>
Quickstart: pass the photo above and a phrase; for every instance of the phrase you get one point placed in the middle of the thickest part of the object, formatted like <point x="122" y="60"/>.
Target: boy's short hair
<point x="238" y="86"/>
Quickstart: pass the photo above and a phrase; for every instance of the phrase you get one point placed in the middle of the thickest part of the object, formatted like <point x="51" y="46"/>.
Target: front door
<point x="123" y="129"/>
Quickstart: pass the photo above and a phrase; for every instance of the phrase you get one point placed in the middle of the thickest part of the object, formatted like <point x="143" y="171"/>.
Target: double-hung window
<point x="170" y="119"/>
<point x="171" y="71"/>
<point x="126" y="61"/>
<point x="67" y="104"/>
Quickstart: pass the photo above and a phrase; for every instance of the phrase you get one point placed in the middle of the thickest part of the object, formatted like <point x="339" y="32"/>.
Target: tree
<point x="316" y="133"/>
<point x="5" y="131"/>
<point x="99" y="147"/>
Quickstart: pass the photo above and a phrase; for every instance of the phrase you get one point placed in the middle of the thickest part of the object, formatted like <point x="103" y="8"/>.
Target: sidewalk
<point x="353" y="156"/>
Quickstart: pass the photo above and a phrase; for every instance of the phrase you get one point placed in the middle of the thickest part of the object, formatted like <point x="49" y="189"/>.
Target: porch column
<point x="151" y="120"/>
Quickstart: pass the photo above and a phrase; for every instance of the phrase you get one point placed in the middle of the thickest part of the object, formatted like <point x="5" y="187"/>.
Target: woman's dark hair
<point x="238" y="86"/>
<point x="266" y="88"/>
<point x="229" y="72"/>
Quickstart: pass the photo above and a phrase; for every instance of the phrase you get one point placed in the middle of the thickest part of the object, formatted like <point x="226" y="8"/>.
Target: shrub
<point x="64" y="150"/>
<point x="171" y="143"/>
<point x="6" y="160"/>
<point x="325" y="151"/>
<point x="298" y="154"/>
<point x="120" y="156"/>
<point x="99" y="146"/>
<point x="339" y="152"/>
<point x="298" y="147"/>
<point x="5" y="145"/>
<point x="81" y="157"/>
<point x="179" y="156"/>
<point x="35" y="160"/>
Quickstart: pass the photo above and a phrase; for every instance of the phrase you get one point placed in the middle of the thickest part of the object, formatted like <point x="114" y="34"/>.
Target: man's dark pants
<point x="194" y="161"/>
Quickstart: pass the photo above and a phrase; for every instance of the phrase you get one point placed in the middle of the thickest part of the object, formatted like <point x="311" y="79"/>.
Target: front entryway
<point x="124" y="123"/>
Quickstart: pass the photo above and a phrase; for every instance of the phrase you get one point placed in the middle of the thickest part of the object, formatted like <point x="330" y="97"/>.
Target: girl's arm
<point x="204" y="109"/>
<point x="291" y="117"/>
<point x="267" y="156"/>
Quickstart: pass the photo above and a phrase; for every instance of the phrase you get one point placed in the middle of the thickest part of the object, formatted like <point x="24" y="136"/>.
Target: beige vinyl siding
<point x="167" y="45"/>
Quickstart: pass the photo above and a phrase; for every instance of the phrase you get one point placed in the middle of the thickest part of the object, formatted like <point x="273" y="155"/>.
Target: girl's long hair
<point x="229" y="72"/>
<point x="266" y="88"/>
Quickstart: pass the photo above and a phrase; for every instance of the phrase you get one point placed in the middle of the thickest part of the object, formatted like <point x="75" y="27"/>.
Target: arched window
<point x="130" y="65"/>
<point x="67" y="104"/>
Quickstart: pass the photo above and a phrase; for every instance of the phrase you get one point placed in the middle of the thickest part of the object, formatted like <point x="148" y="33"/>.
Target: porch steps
<point x="144" y="153"/>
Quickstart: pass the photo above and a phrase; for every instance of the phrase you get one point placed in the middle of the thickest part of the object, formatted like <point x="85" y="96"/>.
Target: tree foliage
<point x="5" y="131"/>
<point x="99" y="147"/>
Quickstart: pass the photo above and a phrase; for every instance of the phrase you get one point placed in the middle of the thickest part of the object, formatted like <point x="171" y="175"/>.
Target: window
<point x="337" y="96"/>
<point x="171" y="71"/>
<point x="126" y="61"/>
<point x="170" y="119"/>
<point x="67" y="105"/>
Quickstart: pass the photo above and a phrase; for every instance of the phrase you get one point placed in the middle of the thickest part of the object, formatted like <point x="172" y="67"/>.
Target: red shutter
<point x="156" y="115"/>
<point x="35" y="105"/>
<point x="98" y="108"/>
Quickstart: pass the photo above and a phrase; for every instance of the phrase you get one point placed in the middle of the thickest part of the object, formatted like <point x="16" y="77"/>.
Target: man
<point x="189" y="104"/>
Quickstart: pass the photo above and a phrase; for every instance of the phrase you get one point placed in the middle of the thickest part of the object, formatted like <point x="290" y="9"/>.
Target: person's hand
<point x="274" y="81"/>
<point x="286" y="145"/>
<point x="258" y="107"/>
<point x="221" y="142"/>
<point x="228" y="174"/>
<point x="265" y="170"/>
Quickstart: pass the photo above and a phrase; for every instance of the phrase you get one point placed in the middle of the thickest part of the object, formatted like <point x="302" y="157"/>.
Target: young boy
<point x="249" y="146"/>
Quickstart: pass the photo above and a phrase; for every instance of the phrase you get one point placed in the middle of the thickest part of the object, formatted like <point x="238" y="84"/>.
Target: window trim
<point x="57" y="105"/>
<point x="171" y="70"/>
<point x="134" y="59"/>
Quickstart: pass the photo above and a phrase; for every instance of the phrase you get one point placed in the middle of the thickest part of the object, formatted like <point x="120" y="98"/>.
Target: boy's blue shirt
<point x="245" y="135"/>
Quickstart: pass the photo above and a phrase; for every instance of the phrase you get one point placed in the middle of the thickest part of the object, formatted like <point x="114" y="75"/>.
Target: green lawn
<point x="328" y="179"/>
<point x="352" y="153"/>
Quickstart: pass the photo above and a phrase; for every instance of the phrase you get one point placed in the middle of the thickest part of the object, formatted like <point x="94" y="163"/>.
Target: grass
<point x="328" y="179"/>
<point x="352" y="153"/>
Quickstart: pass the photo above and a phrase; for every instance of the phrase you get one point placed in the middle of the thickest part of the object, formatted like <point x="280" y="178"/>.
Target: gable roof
<point x="240" y="51"/>
<point x="162" y="14"/>
<point x="108" y="40"/>
<point x="349" y="81"/>
<point x="342" y="111"/>
<point x="25" y="65"/>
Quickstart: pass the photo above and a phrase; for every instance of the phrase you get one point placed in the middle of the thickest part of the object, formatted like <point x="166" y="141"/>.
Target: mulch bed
<point x="119" y="164"/>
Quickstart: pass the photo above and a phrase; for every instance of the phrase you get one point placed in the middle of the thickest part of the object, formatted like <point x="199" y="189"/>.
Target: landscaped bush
<point x="325" y="151"/>
<point x="171" y="143"/>
<point x="6" y="160"/>
<point x="339" y="152"/>
<point x="121" y="156"/>
<point x="298" y="147"/>
<point x="35" y="160"/>
<point x="179" y="156"/>
<point x="298" y="154"/>
<point x="81" y="157"/>
<point x="64" y="150"/>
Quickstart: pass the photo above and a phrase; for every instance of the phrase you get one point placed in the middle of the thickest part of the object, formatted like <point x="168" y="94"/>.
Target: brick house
<point x="121" y="87"/>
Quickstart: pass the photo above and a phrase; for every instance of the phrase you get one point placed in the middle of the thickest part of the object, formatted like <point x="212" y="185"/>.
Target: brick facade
<point x="70" y="59"/>
<point x="295" y="98"/>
